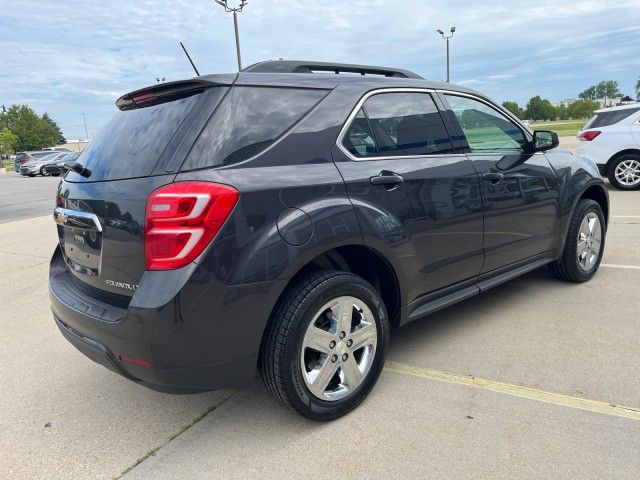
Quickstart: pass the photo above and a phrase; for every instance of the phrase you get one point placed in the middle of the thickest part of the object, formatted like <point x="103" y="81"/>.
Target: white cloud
<point x="79" y="56"/>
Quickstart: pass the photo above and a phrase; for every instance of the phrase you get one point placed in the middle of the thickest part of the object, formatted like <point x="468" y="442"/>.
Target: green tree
<point x="540" y="109"/>
<point x="7" y="141"/>
<point x="561" y="112"/>
<point x="608" y="88"/>
<point x="588" y="93"/>
<point x="55" y="126"/>
<point x="514" y="108"/>
<point x="582" y="108"/>
<point x="32" y="131"/>
<point x="638" y="89"/>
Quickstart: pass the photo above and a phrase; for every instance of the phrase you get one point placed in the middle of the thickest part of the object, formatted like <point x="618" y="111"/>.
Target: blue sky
<point x="79" y="56"/>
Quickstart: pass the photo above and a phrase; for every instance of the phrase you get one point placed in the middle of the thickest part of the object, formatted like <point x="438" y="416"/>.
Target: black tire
<point x="42" y="172"/>
<point x="568" y="267"/>
<point x="32" y="174"/>
<point x="280" y="365"/>
<point x="611" y="172"/>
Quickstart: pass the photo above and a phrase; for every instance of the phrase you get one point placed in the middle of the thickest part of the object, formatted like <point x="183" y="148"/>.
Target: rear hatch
<point x="100" y="207"/>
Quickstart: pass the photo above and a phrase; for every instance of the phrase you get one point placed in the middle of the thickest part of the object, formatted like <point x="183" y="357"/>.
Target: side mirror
<point x="545" y="140"/>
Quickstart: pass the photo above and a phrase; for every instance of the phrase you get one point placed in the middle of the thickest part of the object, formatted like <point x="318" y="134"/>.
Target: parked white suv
<point x="612" y="139"/>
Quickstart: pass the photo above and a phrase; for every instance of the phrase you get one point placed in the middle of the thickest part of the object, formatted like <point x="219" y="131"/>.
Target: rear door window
<point x="247" y="122"/>
<point x="605" y="119"/>
<point x="131" y="144"/>
<point x="401" y="124"/>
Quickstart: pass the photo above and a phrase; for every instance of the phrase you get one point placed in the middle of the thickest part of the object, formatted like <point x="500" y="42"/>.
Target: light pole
<point x="86" y="132"/>
<point x="239" y="5"/>
<point x="447" y="37"/>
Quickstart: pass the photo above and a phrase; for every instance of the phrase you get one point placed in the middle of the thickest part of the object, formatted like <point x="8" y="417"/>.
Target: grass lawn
<point x="565" y="128"/>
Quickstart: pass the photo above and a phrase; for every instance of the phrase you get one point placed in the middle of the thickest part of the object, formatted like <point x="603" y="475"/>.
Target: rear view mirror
<point x="545" y="140"/>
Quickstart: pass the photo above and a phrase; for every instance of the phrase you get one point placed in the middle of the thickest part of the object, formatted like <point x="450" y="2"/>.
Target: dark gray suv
<point x="281" y="219"/>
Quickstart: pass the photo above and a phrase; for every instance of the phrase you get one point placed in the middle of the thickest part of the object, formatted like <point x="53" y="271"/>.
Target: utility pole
<point x="447" y="37"/>
<point x="240" y="4"/>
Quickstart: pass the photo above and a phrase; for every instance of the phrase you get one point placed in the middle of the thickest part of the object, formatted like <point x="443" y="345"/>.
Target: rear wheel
<point x="624" y="172"/>
<point x="584" y="244"/>
<point x="325" y="346"/>
<point x="42" y="172"/>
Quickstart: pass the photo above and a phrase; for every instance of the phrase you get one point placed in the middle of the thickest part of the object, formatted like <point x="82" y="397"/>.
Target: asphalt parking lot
<point x="536" y="379"/>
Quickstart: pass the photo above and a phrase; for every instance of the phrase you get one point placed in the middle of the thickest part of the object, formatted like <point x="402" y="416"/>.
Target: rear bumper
<point x="106" y="334"/>
<point x="168" y="380"/>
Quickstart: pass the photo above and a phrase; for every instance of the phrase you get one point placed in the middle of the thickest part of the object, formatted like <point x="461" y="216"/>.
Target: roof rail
<point x="303" y="66"/>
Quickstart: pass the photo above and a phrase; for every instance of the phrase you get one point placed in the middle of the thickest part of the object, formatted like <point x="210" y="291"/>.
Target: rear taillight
<point x="182" y="218"/>
<point x="588" y="135"/>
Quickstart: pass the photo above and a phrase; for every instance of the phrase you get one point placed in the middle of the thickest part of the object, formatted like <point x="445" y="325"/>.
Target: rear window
<point x="20" y="156"/>
<point x="131" y="143"/>
<point x="606" y="119"/>
<point x="247" y="121"/>
<point x="401" y="124"/>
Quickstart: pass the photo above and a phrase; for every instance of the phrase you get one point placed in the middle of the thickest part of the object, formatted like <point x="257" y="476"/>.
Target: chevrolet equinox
<point x="282" y="219"/>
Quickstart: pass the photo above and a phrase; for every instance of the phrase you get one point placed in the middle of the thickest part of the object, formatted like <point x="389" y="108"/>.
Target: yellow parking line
<point x="612" y="265"/>
<point x="518" y="391"/>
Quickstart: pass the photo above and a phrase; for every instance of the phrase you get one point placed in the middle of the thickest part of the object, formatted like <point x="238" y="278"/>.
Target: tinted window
<point x="486" y="129"/>
<point x="405" y="124"/>
<point x="247" y="121"/>
<point x="40" y="154"/>
<point x="359" y="139"/>
<point x="132" y="142"/>
<point x="610" y="118"/>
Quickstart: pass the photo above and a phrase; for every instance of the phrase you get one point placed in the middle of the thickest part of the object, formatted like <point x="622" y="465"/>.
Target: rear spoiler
<point x="167" y="92"/>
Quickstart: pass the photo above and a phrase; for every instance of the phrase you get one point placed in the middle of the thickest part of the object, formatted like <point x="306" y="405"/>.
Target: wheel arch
<point x="592" y="191"/>
<point x="361" y="260"/>
<point x="614" y="157"/>
<point x="599" y="194"/>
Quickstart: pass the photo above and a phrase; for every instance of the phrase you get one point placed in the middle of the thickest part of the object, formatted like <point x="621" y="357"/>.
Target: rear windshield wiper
<point x="78" y="168"/>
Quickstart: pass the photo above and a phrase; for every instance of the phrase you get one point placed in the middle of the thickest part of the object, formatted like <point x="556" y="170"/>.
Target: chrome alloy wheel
<point x="628" y="173"/>
<point x="589" y="241"/>
<point x="338" y="348"/>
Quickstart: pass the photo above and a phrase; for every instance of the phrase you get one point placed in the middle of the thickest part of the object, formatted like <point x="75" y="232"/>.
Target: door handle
<point x="493" y="177"/>
<point x="387" y="179"/>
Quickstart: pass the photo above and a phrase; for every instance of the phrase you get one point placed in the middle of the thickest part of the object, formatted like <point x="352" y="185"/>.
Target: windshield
<point x="48" y="158"/>
<point x="70" y="157"/>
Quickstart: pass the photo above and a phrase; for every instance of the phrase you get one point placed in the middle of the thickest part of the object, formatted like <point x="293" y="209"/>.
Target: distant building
<point x="602" y="102"/>
<point x="75" y="145"/>
<point x="565" y="102"/>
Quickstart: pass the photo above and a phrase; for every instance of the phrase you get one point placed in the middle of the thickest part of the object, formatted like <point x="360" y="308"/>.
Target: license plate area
<point x="80" y="237"/>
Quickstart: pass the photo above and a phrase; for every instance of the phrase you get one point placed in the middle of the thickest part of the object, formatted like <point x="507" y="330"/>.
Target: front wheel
<point x="325" y="345"/>
<point x="42" y="172"/>
<point x="584" y="244"/>
<point x="624" y="172"/>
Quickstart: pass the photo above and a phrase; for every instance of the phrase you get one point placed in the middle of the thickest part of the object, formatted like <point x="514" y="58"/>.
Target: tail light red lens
<point x="182" y="218"/>
<point x="588" y="135"/>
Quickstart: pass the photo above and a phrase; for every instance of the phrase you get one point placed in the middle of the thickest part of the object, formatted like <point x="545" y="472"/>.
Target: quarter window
<point x="486" y="129"/>
<point x="247" y="122"/>
<point x="398" y="124"/>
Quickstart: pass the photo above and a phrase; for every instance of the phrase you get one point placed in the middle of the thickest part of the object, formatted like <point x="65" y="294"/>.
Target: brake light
<point x="182" y="218"/>
<point x="588" y="135"/>
<point x="143" y="97"/>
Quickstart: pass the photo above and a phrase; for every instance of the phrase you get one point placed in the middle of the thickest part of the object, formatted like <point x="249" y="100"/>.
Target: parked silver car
<point x="24" y="157"/>
<point x="36" y="166"/>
